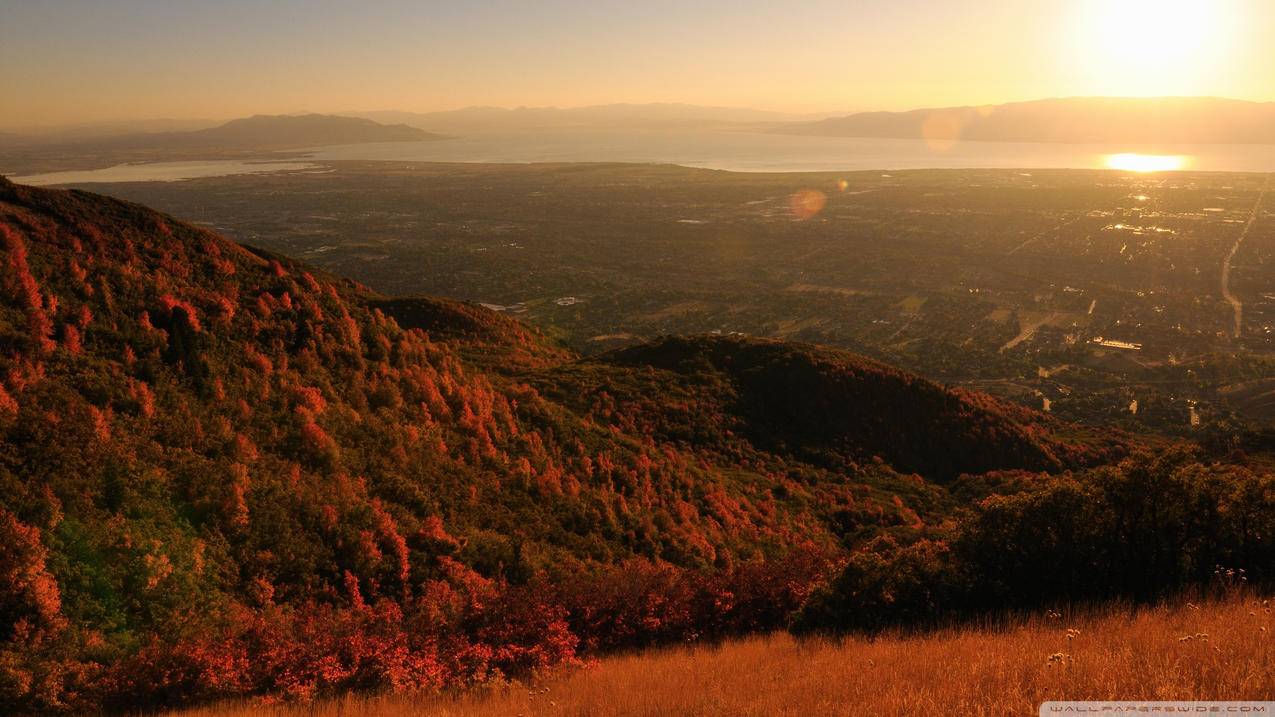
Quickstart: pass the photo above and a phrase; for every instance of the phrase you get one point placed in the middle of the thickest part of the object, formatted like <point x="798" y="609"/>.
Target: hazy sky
<point x="65" y="61"/>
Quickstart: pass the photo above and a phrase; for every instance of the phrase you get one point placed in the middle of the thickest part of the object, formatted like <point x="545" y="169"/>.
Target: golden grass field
<point x="1217" y="650"/>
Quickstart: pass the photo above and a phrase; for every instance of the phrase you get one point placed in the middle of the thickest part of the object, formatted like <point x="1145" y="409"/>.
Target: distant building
<point x="1114" y="344"/>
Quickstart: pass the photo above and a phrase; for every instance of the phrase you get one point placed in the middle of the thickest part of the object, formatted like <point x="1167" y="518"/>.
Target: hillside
<point x="1133" y="121"/>
<point x="226" y="474"/>
<point x="826" y="407"/>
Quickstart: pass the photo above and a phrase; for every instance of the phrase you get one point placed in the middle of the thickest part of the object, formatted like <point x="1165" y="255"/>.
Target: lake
<point x="160" y="172"/>
<point x="728" y="150"/>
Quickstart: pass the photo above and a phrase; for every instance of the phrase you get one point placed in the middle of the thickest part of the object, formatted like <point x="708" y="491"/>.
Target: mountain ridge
<point x="656" y="115"/>
<point x="1075" y="120"/>
<point x="258" y="137"/>
<point x="262" y="130"/>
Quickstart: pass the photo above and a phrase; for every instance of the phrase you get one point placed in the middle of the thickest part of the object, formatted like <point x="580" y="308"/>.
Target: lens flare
<point x="807" y="203"/>
<point x="1131" y="162"/>
<point x="943" y="130"/>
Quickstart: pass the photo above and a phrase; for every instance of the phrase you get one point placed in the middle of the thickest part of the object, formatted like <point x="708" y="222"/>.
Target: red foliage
<point x="309" y="398"/>
<point x="318" y="443"/>
<point x="245" y="449"/>
<point x="640" y="602"/>
<point x="29" y="595"/>
<point x="71" y="339"/>
<point x="258" y="360"/>
<point x="142" y="395"/>
<point x="8" y="404"/>
<point x="100" y="422"/>
<point x="26" y="291"/>
<point x="237" y="505"/>
<point x="388" y="531"/>
<point x="225" y="309"/>
<point x="78" y="273"/>
<point x="181" y="310"/>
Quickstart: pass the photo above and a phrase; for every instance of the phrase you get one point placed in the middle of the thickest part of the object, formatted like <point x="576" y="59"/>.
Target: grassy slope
<point x="1117" y="654"/>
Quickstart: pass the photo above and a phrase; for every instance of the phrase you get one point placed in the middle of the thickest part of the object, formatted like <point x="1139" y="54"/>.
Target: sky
<point x="72" y="61"/>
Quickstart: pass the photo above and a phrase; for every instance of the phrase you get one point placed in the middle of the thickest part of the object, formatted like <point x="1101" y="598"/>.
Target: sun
<point x="1152" y="32"/>
<point x="1152" y="47"/>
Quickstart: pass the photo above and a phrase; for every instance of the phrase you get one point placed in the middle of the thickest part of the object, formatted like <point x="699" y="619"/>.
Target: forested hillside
<point x="223" y="473"/>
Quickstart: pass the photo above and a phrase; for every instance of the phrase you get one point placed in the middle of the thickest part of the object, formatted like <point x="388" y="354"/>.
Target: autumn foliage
<point x="224" y="475"/>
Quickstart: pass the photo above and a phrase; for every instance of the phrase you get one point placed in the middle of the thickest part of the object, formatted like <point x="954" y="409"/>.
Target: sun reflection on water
<point x="1131" y="162"/>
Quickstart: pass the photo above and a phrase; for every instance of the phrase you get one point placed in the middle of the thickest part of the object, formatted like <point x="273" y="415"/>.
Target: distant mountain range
<point x="106" y="128"/>
<point x="613" y="116"/>
<point x="248" y="137"/>
<point x="1144" y="121"/>
<point x="1080" y="120"/>
<point x="293" y="131"/>
<point x="262" y="131"/>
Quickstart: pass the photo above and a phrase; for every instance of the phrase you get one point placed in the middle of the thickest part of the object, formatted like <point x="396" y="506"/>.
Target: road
<point x="1232" y="299"/>
<point x="1054" y="231"/>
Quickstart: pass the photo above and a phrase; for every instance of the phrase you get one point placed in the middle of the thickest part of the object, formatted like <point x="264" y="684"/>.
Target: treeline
<point x="460" y="629"/>
<point x="1149" y="527"/>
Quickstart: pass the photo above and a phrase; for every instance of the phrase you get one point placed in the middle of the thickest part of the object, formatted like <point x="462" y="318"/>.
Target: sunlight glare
<point x="1151" y="47"/>
<point x="1131" y="162"/>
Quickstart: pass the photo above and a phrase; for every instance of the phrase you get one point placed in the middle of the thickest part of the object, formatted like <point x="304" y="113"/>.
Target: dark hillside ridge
<point x="812" y="402"/>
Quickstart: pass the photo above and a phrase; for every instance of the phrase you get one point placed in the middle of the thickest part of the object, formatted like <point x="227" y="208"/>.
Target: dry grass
<point x="1119" y="654"/>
